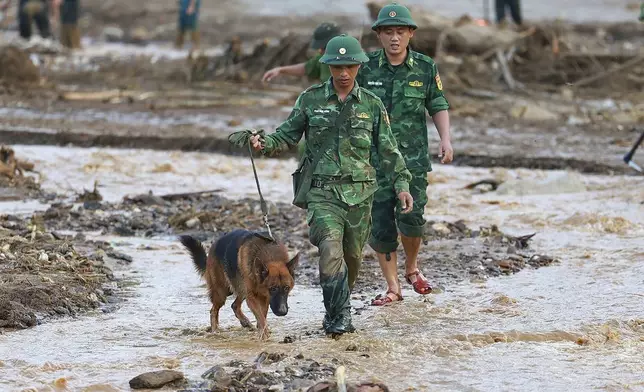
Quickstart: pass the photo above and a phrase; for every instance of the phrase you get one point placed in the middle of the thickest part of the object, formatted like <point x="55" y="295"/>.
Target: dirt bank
<point x="453" y="251"/>
<point x="44" y="274"/>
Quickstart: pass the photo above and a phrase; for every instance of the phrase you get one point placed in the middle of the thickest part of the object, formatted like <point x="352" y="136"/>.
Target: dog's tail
<point x="199" y="257"/>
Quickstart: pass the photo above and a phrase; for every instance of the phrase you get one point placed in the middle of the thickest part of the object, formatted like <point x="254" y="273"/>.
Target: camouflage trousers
<point x="340" y="233"/>
<point x="387" y="216"/>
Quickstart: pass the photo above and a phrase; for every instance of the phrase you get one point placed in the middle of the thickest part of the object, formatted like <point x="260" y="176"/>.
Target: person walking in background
<point x="312" y="68"/>
<point x="70" y="36"/>
<point x="188" y="18"/>
<point x="515" y="11"/>
<point x="30" y="11"/>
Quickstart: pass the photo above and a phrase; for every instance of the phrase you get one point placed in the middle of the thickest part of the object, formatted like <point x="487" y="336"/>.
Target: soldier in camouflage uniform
<point x="344" y="181"/>
<point x="312" y="68"/>
<point x="408" y="84"/>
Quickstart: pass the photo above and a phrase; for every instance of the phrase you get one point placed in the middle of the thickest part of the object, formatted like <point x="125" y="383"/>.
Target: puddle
<point x="578" y="324"/>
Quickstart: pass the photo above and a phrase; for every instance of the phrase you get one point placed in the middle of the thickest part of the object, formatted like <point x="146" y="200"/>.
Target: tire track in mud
<point x="220" y="145"/>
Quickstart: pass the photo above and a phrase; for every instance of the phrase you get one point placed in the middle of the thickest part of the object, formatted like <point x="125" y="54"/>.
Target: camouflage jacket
<point x="348" y="148"/>
<point x="406" y="91"/>
<point x="316" y="70"/>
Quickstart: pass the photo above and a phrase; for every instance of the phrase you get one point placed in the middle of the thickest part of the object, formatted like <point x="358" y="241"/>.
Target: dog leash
<point x="262" y="202"/>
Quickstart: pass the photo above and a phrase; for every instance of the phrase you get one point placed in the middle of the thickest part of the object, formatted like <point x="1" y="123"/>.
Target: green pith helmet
<point x="343" y="50"/>
<point x="394" y="14"/>
<point x="323" y="33"/>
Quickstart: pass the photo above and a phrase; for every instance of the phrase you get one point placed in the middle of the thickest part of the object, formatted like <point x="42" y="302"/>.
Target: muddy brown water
<point x="578" y="324"/>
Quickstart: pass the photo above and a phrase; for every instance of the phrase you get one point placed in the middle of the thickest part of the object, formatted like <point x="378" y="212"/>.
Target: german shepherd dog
<point x="250" y="265"/>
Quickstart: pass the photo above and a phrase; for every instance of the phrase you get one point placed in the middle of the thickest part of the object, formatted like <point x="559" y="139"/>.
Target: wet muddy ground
<point x="470" y="317"/>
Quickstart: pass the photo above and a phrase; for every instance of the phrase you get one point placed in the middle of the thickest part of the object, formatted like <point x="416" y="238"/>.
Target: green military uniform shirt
<point x="347" y="148"/>
<point x="316" y="70"/>
<point x="406" y="91"/>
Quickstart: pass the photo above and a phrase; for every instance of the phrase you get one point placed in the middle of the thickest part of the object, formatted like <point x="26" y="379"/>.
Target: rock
<point x="139" y="35"/>
<point x="120" y="256"/>
<point x="192" y="223"/>
<point x="532" y="112"/>
<point x="289" y="339"/>
<point x="505" y="264"/>
<point x="476" y="39"/>
<point x="155" y="379"/>
<point x="219" y="376"/>
<point x="113" y="34"/>
<point x="441" y="228"/>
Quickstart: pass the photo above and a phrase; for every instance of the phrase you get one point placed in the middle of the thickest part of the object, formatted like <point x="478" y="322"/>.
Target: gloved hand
<point x="241" y="138"/>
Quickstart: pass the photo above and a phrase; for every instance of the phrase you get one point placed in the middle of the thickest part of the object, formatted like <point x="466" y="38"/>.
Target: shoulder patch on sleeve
<point x="439" y="83"/>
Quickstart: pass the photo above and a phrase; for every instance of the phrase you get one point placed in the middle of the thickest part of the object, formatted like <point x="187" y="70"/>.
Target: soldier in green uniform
<point x="312" y="68"/>
<point x="344" y="125"/>
<point x="408" y="83"/>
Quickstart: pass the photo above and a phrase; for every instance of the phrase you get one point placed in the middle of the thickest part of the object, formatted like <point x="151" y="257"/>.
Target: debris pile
<point x="474" y="54"/>
<point x="16" y="67"/>
<point x="44" y="274"/>
<point x="236" y="65"/>
<point x="12" y="171"/>
<point x="277" y="372"/>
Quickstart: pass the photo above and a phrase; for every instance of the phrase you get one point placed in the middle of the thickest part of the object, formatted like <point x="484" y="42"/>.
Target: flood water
<point x="510" y="333"/>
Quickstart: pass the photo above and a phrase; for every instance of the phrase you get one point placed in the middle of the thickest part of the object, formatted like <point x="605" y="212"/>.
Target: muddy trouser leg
<point x="24" y="25"/>
<point x="195" y="37"/>
<point x="326" y="218"/>
<point x="75" y="37"/>
<point x="515" y="11"/>
<point x="357" y="228"/>
<point x="499" y="6"/>
<point x="65" y="35"/>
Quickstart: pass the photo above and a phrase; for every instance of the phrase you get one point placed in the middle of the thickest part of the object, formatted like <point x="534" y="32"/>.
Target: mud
<point x="46" y="275"/>
<point x="454" y="251"/>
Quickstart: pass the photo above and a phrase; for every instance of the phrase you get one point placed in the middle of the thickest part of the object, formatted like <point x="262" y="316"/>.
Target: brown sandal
<point x="382" y="300"/>
<point x="421" y="285"/>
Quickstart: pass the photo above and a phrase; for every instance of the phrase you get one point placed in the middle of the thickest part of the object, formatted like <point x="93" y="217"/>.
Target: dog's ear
<point x="292" y="264"/>
<point x="263" y="272"/>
